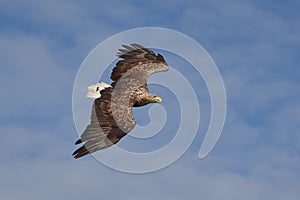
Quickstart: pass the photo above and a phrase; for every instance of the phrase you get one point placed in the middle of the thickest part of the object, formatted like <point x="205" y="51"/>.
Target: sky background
<point x="255" y="44"/>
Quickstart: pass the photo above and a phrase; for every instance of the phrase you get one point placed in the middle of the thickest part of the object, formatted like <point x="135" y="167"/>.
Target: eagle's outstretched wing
<point x="111" y="117"/>
<point x="103" y="131"/>
<point x="135" y="57"/>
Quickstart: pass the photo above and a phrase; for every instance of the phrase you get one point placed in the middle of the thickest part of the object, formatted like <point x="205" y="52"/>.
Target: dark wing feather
<point x="107" y="127"/>
<point x="136" y="56"/>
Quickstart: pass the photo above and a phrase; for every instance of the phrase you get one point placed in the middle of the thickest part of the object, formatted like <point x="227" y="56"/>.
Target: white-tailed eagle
<point x="111" y="117"/>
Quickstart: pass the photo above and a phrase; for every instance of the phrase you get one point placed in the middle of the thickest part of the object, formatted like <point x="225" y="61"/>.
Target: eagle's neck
<point x="142" y="100"/>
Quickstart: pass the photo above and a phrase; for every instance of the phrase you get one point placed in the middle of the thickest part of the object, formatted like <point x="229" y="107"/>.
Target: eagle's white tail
<point x="94" y="90"/>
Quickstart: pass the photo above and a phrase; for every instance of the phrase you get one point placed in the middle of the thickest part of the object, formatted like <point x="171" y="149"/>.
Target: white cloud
<point x="31" y="80"/>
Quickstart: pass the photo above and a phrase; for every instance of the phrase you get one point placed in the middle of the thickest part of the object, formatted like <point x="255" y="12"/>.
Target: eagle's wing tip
<point x="78" y="141"/>
<point x="80" y="152"/>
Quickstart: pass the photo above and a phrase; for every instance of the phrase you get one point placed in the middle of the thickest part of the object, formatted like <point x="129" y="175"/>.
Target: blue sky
<point x="255" y="44"/>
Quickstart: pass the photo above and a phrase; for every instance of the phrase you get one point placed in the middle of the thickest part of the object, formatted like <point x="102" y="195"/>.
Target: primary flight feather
<point x="111" y="117"/>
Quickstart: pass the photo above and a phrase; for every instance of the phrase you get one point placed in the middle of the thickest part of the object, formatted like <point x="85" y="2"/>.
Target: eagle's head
<point x="154" y="98"/>
<point x="146" y="99"/>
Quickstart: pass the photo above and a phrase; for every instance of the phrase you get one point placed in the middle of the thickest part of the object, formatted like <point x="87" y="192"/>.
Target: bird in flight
<point x="111" y="117"/>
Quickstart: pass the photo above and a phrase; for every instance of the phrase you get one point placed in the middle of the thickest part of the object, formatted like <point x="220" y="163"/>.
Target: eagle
<point x="111" y="116"/>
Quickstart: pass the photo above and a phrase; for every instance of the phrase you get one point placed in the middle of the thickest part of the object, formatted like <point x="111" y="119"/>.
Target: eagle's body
<point x="111" y="117"/>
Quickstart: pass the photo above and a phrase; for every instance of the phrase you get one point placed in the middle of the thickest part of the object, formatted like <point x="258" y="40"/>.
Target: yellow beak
<point x="158" y="99"/>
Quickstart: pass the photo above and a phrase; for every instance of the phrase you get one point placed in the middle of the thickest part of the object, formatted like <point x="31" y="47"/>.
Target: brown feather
<point x="132" y="57"/>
